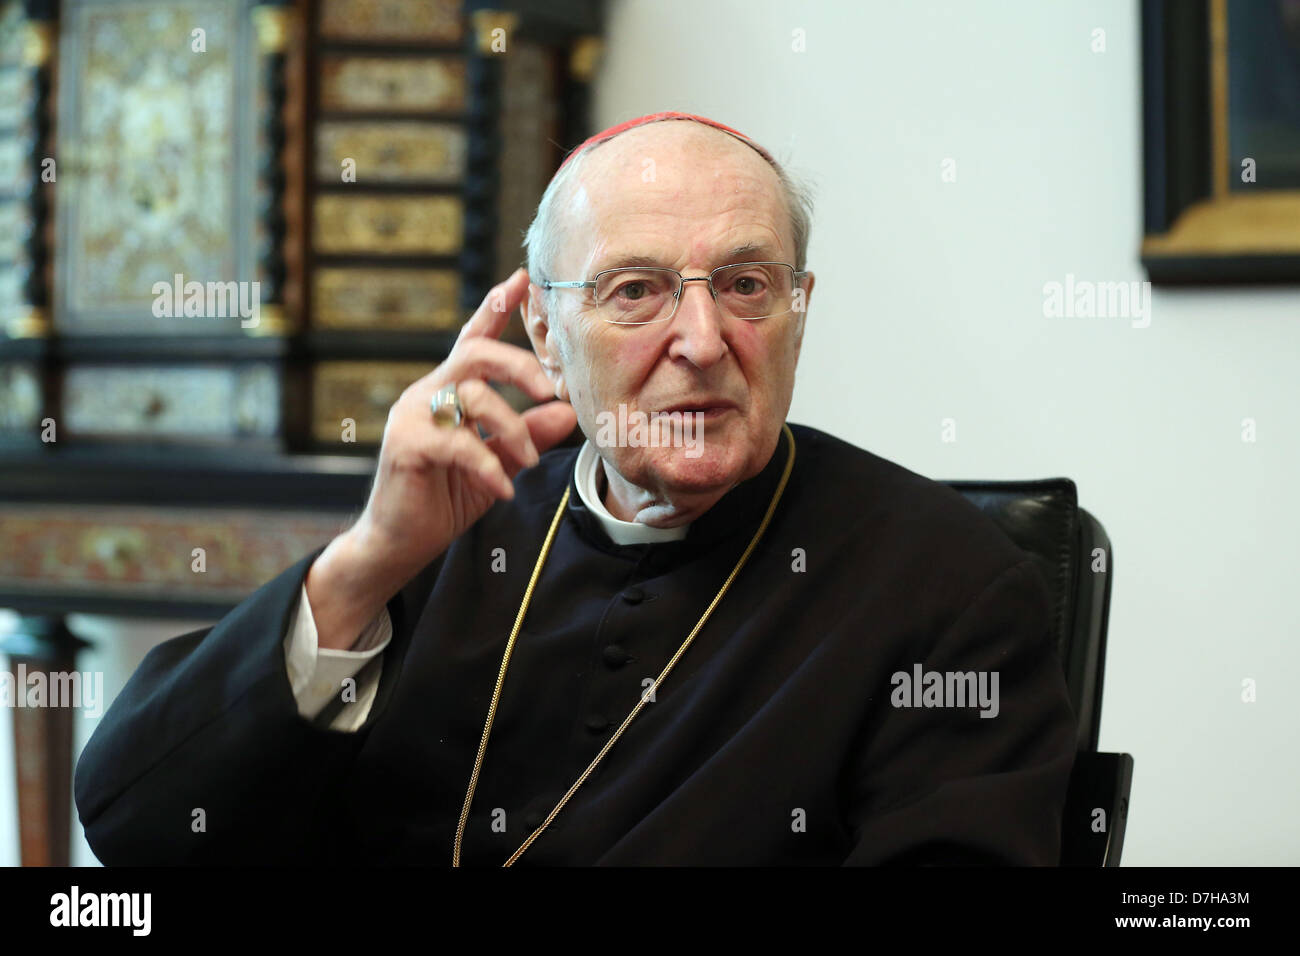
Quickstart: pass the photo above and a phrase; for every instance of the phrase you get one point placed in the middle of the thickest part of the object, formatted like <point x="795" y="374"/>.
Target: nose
<point x="697" y="327"/>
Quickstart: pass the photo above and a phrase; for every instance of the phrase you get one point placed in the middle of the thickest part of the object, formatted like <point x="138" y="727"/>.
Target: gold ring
<point x="446" y="407"/>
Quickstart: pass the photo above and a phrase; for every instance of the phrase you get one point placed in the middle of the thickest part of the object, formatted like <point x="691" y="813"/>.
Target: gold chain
<point x="645" y="696"/>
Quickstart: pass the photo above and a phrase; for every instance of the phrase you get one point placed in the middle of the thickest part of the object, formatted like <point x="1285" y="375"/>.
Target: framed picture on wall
<point x="1221" y="132"/>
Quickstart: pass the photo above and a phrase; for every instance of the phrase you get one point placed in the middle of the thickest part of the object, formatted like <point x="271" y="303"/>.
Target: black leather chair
<point x="1044" y="519"/>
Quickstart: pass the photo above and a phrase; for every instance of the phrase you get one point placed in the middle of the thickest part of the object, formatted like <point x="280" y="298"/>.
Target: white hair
<point x="543" y="240"/>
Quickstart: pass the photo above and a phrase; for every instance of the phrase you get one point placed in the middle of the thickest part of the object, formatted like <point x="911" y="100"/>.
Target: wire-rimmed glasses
<point x="642" y="295"/>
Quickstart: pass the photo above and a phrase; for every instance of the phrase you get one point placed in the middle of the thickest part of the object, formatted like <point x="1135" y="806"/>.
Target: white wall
<point x="929" y="305"/>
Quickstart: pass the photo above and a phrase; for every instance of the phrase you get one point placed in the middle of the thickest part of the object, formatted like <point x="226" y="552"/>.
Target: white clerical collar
<point x="620" y="532"/>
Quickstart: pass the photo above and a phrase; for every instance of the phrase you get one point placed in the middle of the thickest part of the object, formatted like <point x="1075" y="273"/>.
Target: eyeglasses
<point x="745" y="290"/>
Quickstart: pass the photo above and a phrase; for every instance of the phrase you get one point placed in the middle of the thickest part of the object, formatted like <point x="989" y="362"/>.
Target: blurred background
<point x="370" y="165"/>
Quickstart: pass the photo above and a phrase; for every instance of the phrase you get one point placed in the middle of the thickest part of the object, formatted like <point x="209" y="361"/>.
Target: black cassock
<point x="776" y="739"/>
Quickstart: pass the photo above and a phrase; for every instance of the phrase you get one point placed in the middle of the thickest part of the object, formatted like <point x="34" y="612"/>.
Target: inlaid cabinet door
<point x="159" y="117"/>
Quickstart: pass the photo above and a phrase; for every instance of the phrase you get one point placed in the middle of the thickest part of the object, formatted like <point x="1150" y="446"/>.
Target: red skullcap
<point x="669" y="115"/>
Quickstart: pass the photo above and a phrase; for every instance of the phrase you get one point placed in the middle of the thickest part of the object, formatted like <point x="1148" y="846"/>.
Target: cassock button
<point x="634" y="595"/>
<point x="596" y="723"/>
<point x="615" y="656"/>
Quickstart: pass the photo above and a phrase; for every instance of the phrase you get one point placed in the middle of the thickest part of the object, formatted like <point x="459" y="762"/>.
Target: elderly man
<point x="704" y="638"/>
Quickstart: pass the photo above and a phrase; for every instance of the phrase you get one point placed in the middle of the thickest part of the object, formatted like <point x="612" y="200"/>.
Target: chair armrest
<point x="1098" y="782"/>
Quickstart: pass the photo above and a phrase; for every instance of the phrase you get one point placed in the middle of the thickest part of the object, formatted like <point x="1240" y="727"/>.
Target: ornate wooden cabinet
<point x="230" y="234"/>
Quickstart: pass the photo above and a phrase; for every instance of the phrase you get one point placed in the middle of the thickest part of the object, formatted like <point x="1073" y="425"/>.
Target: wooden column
<point x="42" y="740"/>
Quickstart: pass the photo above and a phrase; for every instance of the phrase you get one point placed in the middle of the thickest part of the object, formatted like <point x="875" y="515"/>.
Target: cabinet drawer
<point x="407" y="85"/>
<point x="20" y="398"/>
<point x="205" y="402"/>
<point x="392" y="21"/>
<point x="400" y="152"/>
<point x="388" y="225"/>
<point x="378" y="299"/>
<point x="360" y="393"/>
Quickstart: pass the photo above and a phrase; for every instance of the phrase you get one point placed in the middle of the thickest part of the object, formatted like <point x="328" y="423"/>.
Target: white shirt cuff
<point x="317" y="675"/>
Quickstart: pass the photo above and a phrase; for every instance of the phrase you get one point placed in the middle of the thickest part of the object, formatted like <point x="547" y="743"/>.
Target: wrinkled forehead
<point x="667" y="190"/>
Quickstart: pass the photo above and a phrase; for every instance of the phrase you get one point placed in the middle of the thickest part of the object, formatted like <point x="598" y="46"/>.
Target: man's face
<point x="689" y="198"/>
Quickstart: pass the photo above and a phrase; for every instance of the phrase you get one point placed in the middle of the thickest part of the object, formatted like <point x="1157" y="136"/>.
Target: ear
<point x="537" y="323"/>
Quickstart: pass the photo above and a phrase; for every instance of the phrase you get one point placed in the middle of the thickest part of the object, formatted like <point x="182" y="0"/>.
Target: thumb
<point x="550" y="424"/>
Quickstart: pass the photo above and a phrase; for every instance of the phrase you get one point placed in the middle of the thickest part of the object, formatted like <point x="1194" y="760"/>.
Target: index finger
<point x="493" y="315"/>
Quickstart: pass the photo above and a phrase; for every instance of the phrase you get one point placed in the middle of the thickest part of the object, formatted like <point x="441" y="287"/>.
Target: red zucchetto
<point x="656" y="117"/>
